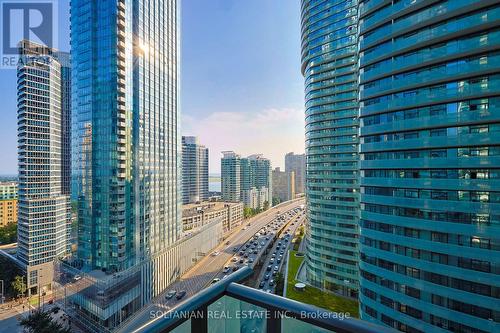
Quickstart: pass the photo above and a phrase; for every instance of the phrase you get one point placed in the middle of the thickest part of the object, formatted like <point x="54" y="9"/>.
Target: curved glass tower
<point x="329" y="56"/>
<point x="430" y="158"/>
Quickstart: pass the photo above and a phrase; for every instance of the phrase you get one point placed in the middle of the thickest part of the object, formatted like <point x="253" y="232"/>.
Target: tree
<point x="266" y="205"/>
<point x="276" y="201"/>
<point x="19" y="285"/>
<point x="247" y="212"/>
<point x="42" y="322"/>
<point x="8" y="234"/>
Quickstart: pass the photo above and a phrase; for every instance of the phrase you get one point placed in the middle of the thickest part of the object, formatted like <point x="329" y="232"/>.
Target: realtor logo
<point x="31" y="20"/>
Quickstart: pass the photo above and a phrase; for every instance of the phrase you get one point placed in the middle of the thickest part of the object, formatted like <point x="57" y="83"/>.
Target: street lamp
<point x="2" y="297"/>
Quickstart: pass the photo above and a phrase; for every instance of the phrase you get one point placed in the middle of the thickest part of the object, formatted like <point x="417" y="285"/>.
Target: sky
<point x="241" y="87"/>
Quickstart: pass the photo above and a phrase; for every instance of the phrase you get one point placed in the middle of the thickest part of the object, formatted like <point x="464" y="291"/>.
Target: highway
<point x="275" y="262"/>
<point x="211" y="266"/>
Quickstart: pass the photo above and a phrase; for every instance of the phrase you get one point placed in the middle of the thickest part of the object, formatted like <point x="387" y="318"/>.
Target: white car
<point x="235" y="259"/>
<point x="226" y="269"/>
<point x="215" y="254"/>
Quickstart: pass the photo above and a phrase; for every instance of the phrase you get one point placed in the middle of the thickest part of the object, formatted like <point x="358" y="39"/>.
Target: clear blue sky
<point x="241" y="83"/>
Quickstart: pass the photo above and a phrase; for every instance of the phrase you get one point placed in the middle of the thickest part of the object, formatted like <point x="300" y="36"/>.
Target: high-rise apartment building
<point x="247" y="179"/>
<point x="256" y="181"/>
<point x="329" y="65"/>
<point x="283" y="185"/>
<point x="44" y="211"/>
<point x="297" y="164"/>
<point x="194" y="170"/>
<point x="430" y="147"/>
<point x="126" y="142"/>
<point x="230" y="176"/>
<point x="8" y="203"/>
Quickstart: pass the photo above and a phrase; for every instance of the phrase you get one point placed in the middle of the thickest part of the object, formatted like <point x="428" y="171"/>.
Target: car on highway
<point x="170" y="294"/>
<point x="235" y="249"/>
<point x="255" y="251"/>
<point x="180" y="294"/>
<point x="235" y="259"/>
<point x="242" y="261"/>
<point x="271" y="283"/>
<point x="250" y="260"/>
<point x="215" y="254"/>
<point x="269" y="268"/>
<point x="215" y="280"/>
<point x="262" y="284"/>
<point x="235" y="268"/>
<point x="266" y="277"/>
<point x="226" y="269"/>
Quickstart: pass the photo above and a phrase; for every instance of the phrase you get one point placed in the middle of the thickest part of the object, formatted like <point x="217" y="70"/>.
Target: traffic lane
<point x="212" y="264"/>
<point x="263" y="242"/>
<point x="286" y="247"/>
<point x="194" y="280"/>
<point x="246" y="255"/>
<point x="277" y="256"/>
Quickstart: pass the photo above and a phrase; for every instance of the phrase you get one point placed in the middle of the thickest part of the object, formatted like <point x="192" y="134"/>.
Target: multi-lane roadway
<point x="274" y="261"/>
<point x="211" y="266"/>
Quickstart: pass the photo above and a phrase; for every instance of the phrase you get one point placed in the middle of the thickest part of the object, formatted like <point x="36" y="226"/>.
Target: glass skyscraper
<point x="44" y="211"/>
<point x="329" y="65"/>
<point x="230" y="176"/>
<point x="430" y="169"/>
<point x="127" y="151"/>
<point x="194" y="170"/>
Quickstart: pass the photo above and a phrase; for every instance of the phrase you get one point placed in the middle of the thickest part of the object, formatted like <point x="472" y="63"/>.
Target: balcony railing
<point x="228" y="306"/>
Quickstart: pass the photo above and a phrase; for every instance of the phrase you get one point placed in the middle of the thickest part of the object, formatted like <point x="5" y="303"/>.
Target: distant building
<point x="194" y="170"/>
<point x="230" y="176"/>
<point x="8" y="203"/>
<point x="197" y="215"/>
<point x="297" y="164"/>
<point x="44" y="210"/>
<point x="246" y="179"/>
<point x="283" y="185"/>
<point x="256" y="181"/>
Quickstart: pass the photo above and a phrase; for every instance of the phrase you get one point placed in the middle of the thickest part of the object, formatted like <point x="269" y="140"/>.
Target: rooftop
<point x="205" y="206"/>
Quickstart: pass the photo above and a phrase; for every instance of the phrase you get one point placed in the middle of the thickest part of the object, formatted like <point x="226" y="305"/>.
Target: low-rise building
<point x="8" y="203"/>
<point x="197" y="215"/>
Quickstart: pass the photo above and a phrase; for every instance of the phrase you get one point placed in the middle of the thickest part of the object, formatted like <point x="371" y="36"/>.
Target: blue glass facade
<point x="126" y="142"/>
<point x="329" y="65"/>
<point x="430" y="155"/>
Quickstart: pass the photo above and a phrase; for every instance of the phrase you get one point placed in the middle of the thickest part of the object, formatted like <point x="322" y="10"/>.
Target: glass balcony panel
<point x="183" y="328"/>
<point x="297" y="326"/>
<point x="229" y="314"/>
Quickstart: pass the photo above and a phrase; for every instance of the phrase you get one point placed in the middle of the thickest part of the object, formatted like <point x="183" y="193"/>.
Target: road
<point x="274" y="263"/>
<point x="210" y="266"/>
